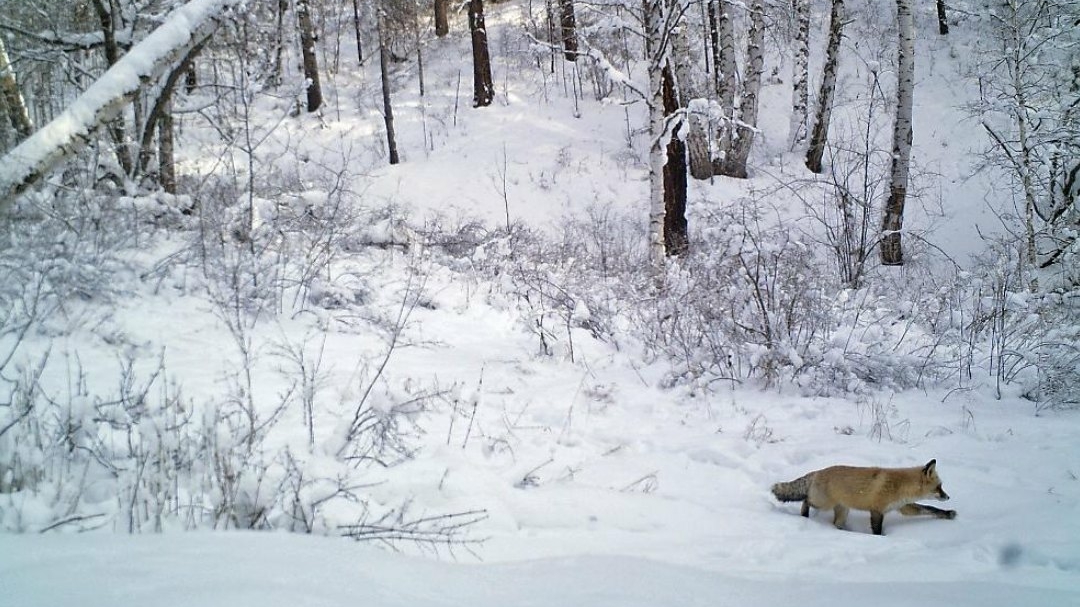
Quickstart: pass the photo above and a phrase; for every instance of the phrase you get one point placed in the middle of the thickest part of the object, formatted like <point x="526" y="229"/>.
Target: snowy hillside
<point x="464" y="361"/>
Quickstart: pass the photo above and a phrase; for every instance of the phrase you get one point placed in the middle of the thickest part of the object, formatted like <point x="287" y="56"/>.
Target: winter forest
<point x="530" y="302"/>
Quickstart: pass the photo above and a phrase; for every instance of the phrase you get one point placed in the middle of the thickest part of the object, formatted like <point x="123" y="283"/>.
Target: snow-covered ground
<point x="600" y="486"/>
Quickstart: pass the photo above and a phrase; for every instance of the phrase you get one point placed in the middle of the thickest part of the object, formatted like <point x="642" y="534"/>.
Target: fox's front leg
<point x="923" y="509"/>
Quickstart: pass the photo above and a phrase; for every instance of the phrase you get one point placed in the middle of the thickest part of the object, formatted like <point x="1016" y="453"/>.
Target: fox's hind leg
<point x="839" y="516"/>
<point x="923" y="509"/>
<point x="806" y="508"/>
<point x="877" y="520"/>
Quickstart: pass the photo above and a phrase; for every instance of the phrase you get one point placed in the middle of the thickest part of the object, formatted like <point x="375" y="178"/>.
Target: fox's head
<point x="931" y="483"/>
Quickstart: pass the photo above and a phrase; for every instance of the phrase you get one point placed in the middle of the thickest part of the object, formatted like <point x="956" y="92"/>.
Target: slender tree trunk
<point x="942" y="21"/>
<point x="568" y="22"/>
<point x="278" y="76"/>
<point x="676" y="240"/>
<point x="419" y="51"/>
<point x="117" y="130"/>
<point x="820" y="133"/>
<point x="384" y="72"/>
<point x="191" y="80"/>
<point x="357" y="22"/>
<point x="735" y="164"/>
<point x="483" y="84"/>
<point x="714" y="41"/>
<point x="166" y="156"/>
<point x="162" y="106"/>
<point x="725" y="82"/>
<point x="800" y="74"/>
<point x="311" y="61"/>
<point x="442" y="21"/>
<point x="654" y="39"/>
<point x="893" y="221"/>
<point x="12" y="97"/>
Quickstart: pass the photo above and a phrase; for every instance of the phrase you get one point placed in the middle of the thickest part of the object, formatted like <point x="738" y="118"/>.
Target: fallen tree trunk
<point x="158" y="53"/>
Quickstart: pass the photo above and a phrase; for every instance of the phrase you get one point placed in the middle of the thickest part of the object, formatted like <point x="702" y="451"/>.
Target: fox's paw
<point x="948" y="514"/>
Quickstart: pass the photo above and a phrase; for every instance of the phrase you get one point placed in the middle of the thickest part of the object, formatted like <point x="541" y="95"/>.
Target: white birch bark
<point x="800" y="74"/>
<point x="697" y="140"/>
<point x="893" y="221"/>
<point x="820" y="133"/>
<point x="653" y="14"/>
<point x="161" y="51"/>
<point x="735" y="165"/>
<point x="725" y="81"/>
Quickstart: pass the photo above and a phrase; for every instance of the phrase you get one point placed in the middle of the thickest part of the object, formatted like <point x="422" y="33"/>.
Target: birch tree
<point x="893" y="220"/>
<point x="800" y="74"/>
<point x="161" y="52"/>
<point x="1031" y="114"/>
<point x="734" y="164"/>
<point x="723" y="32"/>
<point x="820" y="133"/>
<point x="653" y="14"/>
<point x="689" y="96"/>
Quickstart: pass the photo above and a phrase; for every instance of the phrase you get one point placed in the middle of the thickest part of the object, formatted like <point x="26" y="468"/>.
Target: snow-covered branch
<point x="158" y="53"/>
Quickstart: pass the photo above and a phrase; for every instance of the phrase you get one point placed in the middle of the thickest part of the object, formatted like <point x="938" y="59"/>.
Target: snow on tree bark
<point x="676" y="240"/>
<point x="725" y="81"/>
<point x="187" y="26"/>
<point x="697" y="139"/>
<point x="893" y="221"/>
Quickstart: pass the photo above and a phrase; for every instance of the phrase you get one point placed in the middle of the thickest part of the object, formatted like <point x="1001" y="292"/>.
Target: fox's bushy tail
<point x="793" y="491"/>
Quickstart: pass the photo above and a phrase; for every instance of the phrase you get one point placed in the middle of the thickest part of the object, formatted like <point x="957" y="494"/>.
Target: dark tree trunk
<point x="191" y="80"/>
<point x="356" y="28"/>
<point x="942" y="21"/>
<point x="277" y="77"/>
<point x="483" y="86"/>
<point x="117" y="130"/>
<point x="676" y="241"/>
<point x="384" y="72"/>
<point x="311" y="61"/>
<point x="568" y="21"/>
<point x="442" y="22"/>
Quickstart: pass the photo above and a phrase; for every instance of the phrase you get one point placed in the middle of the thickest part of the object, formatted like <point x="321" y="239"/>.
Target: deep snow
<point x="601" y="487"/>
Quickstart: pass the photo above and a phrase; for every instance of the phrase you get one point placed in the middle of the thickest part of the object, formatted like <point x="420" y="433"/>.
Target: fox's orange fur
<point x="877" y="490"/>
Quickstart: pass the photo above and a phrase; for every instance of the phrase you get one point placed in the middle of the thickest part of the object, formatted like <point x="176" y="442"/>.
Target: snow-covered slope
<point x="600" y="483"/>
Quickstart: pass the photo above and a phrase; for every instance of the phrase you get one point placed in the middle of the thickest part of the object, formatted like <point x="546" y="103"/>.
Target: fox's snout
<point x="941" y="495"/>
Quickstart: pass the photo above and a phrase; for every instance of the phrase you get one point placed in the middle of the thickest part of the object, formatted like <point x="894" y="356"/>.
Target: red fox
<point x="878" y="490"/>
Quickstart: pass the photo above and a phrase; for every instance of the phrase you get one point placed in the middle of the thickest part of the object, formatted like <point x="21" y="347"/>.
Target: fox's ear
<point x="928" y="469"/>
